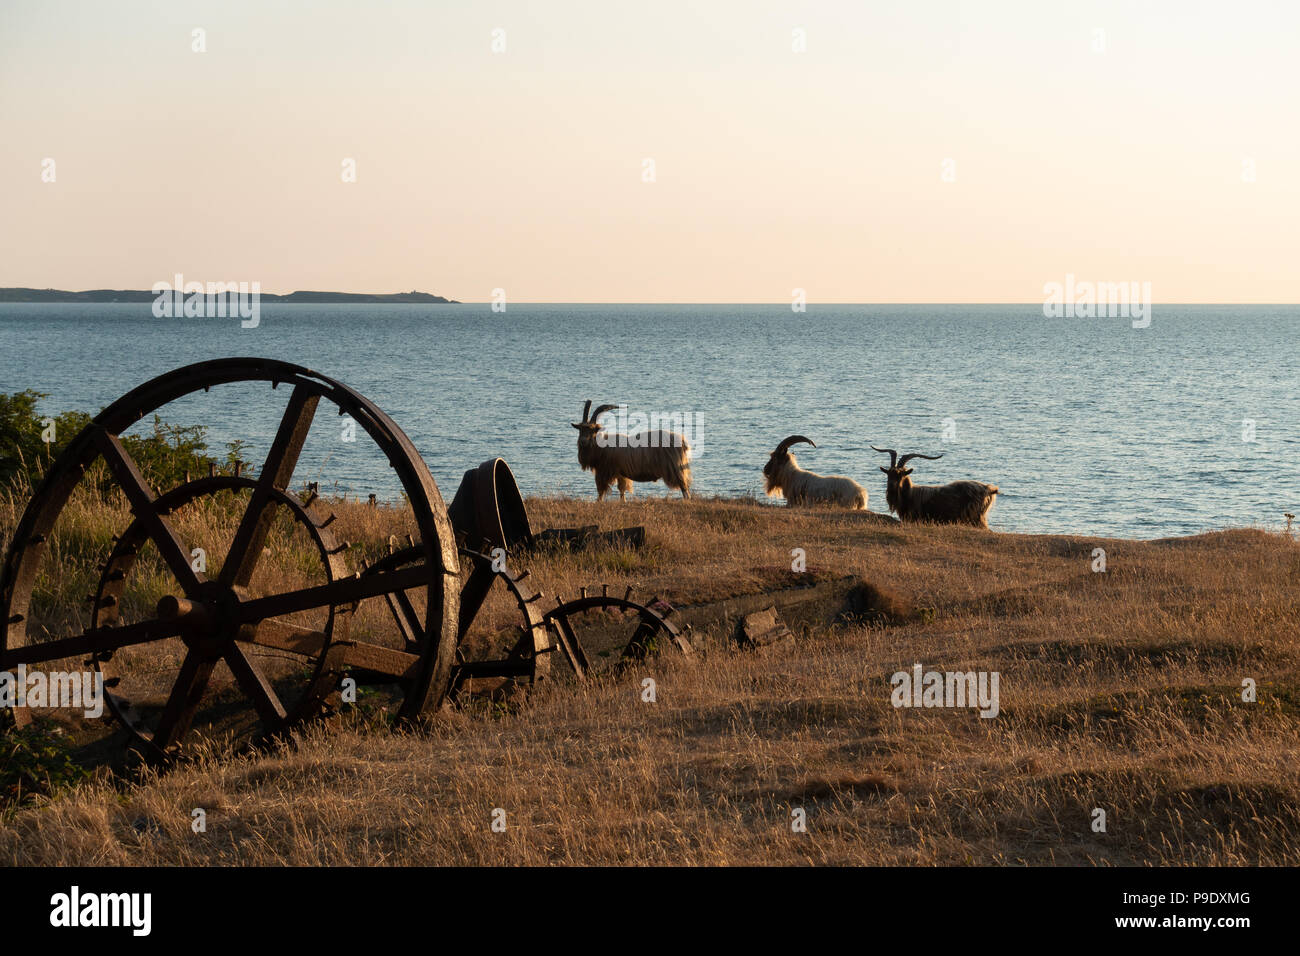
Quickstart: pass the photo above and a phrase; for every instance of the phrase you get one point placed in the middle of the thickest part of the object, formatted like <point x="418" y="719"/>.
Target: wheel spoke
<point x="473" y="594"/>
<point x="408" y="621"/>
<point x="571" y="646"/>
<point x="281" y="636"/>
<point x="637" y="648"/>
<point x="256" y="687"/>
<point x="183" y="701"/>
<point x="277" y="470"/>
<point x="397" y="665"/>
<point x="346" y="591"/>
<point x="92" y="642"/>
<point x="142" y="499"/>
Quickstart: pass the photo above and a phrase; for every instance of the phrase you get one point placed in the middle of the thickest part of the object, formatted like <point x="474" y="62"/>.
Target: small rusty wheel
<point x="216" y="619"/>
<point x="525" y="660"/>
<point x="301" y="672"/>
<point x="601" y="631"/>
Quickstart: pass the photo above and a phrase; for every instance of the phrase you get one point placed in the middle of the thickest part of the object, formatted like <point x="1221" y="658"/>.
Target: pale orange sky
<point x="774" y="169"/>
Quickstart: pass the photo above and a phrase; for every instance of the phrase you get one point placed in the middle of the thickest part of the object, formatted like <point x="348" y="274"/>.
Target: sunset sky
<point x="774" y="169"/>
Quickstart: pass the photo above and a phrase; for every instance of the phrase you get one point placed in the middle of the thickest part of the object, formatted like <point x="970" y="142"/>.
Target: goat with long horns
<point x="646" y="456"/>
<point x="783" y="476"/>
<point x="959" y="502"/>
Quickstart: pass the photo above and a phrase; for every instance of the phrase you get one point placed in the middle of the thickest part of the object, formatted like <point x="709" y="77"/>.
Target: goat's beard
<point x="772" y="479"/>
<point x="893" y="494"/>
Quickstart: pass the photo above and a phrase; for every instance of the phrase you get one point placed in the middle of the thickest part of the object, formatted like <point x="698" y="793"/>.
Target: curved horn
<point x="906" y="458"/>
<point x="893" y="455"/>
<point x="601" y="410"/>
<point x="586" y="411"/>
<point x="782" y="448"/>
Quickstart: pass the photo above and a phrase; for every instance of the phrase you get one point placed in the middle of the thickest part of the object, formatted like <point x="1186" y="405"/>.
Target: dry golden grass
<point x="1119" y="691"/>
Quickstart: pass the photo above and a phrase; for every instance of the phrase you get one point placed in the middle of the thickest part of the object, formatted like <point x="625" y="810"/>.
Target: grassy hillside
<point x="1119" y="690"/>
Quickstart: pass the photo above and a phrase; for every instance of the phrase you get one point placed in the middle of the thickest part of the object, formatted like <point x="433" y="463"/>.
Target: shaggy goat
<point x="646" y="456"/>
<point x="959" y="502"/>
<point x="783" y="476"/>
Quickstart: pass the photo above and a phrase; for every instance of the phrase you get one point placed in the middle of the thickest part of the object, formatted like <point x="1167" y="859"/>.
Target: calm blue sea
<point x="1088" y="425"/>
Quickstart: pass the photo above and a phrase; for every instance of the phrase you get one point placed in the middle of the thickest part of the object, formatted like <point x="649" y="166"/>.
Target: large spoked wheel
<point x="217" y="619"/>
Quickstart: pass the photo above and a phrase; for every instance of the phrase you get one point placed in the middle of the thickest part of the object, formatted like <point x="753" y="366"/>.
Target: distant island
<point x="311" y="298"/>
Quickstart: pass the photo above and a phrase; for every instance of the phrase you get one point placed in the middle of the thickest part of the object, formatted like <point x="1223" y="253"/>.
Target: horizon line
<point x="782" y="304"/>
<point x="454" y="301"/>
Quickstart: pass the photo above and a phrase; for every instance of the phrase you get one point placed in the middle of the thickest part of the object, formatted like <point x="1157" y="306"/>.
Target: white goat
<point x="783" y="476"/>
<point x="646" y="456"/>
<point x="959" y="502"/>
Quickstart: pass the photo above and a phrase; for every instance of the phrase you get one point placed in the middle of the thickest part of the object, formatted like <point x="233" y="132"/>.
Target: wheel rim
<point x="630" y="628"/>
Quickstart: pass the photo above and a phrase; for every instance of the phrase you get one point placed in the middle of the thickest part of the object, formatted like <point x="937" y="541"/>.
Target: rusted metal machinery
<point x="286" y="649"/>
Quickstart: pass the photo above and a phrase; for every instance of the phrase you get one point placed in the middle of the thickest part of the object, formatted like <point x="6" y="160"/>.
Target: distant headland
<point x="311" y="298"/>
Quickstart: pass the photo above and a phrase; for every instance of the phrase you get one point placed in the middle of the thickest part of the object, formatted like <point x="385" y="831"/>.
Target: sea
<point x="1089" y="426"/>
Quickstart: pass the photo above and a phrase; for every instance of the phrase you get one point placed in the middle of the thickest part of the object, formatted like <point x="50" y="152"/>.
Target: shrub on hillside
<point x="29" y="442"/>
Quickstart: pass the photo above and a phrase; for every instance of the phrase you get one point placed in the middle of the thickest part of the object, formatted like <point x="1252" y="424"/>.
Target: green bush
<point x="163" y="455"/>
<point x="24" y="453"/>
<point x="37" y="761"/>
<point x="169" y="452"/>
